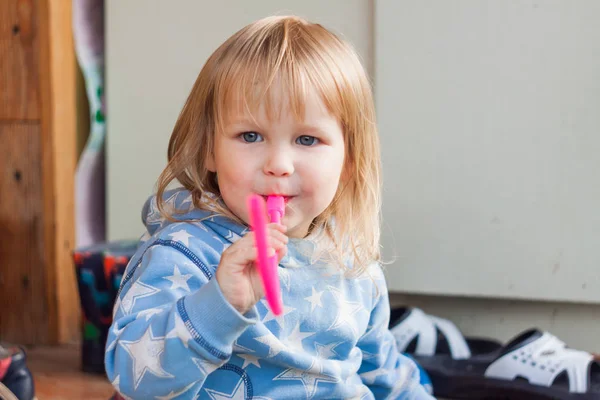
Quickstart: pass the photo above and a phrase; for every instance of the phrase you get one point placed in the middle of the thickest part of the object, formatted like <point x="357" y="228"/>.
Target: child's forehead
<point x="273" y="104"/>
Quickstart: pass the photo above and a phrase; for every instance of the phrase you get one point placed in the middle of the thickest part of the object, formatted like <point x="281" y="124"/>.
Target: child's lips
<point x="286" y="199"/>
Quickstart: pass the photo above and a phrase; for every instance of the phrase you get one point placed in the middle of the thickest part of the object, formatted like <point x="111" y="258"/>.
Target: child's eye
<point x="251" y="137"/>
<point x="306" y="140"/>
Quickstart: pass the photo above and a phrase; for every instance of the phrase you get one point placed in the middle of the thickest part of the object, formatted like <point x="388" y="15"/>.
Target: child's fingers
<point x="278" y="227"/>
<point x="275" y="237"/>
<point x="274" y="232"/>
<point x="281" y="254"/>
<point x="239" y="255"/>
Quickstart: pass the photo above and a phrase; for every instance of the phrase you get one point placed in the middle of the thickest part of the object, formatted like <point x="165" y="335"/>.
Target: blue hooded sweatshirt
<point x="175" y="336"/>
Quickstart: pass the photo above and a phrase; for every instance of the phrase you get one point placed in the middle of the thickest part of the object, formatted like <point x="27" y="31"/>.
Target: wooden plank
<point x="58" y="123"/>
<point x="18" y="61"/>
<point x="24" y="316"/>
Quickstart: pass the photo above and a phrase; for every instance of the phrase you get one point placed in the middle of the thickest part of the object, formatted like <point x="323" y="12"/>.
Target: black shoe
<point x="15" y="377"/>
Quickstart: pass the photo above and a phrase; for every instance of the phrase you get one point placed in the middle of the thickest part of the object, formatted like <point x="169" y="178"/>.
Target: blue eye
<point x="251" y="137"/>
<point x="306" y="140"/>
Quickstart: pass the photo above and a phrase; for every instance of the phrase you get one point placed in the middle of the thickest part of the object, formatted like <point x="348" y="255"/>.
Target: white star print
<point x="116" y="383"/>
<point x="284" y="278"/>
<point x="117" y="332"/>
<point x="309" y="378"/>
<point x="403" y="376"/>
<point x="204" y="366"/>
<point x="336" y="371"/>
<point x="178" y="280"/>
<point x="238" y="348"/>
<point x="237" y="394"/>
<point x="291" y="262"/>
<point x="362" y="393"/>
<point x="187" y="200"/>
<point x="345" y="312"/>
<point x="153" y="216"/>
<point x="275" y="346"/>
<point x="281" y="318"/>
<point x="181" y="236"/>
<point x="232" y="236"/>
<point x="295" y="338"/>
<point x="249" y="359"/>
<point x="148" y="313"/>
<point x="368" y="356"/>
<point x="170" y="202"/>
<point x="173" y="394"/>
<point x="145" y="355"/>
<point x="314" y="299"/>
<point x="371" y="376"/>
<point x="137" y="291"/>
<point x="180" y="331"/>
<point x="326" y="351"/>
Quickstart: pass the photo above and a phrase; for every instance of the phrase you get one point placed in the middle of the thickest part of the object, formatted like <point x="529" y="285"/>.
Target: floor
<point x="58" y="375"/>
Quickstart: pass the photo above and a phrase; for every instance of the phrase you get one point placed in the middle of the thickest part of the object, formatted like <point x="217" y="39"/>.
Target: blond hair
<point x="303" y="57"/>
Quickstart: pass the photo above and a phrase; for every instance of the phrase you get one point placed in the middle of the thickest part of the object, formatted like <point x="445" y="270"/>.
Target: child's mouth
<point x="286" y="199"/>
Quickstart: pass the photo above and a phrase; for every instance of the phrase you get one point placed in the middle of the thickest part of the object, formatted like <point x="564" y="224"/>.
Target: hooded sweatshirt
<point x="175" y="336"/>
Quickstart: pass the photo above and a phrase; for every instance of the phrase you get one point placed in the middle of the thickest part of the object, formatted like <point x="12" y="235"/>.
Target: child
<point x="282" y="107"/>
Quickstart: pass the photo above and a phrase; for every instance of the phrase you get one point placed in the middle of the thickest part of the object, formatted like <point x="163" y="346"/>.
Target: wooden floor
<point x="57" y="374"/>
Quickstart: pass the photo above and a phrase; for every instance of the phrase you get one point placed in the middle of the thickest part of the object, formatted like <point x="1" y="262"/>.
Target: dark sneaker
<point x="16" y="381"/>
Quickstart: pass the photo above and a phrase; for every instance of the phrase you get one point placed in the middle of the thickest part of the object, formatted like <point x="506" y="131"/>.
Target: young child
<point x="282" y="107"/>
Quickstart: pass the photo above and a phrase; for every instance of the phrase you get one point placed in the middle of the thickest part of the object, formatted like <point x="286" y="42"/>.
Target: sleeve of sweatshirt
<point x="171" y="327"/>
<point x="384" y="370"/>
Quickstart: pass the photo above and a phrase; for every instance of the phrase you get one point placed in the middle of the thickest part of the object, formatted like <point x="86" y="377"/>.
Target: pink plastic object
<point x="267" y="266"/>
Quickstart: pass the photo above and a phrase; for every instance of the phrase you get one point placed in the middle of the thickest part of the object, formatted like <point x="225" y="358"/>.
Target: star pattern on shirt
<point x="153" y="217"/>
<point x="171" y="202"/>
<point x="284" y="278"/>
<point x="205" y="366"/>
<point x="327" y="351"/>
<point x="116" y="331"/>
<point x="368" y="356"/>
<point x="370" y="377"/>
<point x="346" y="311"/>
<point x="274" y="344"/>
<point x="145" y="356"/>
<point x="182" y="236"/>
<point x="269" y="316"/>
<point x="295" y="338"/>
<point x="403" y="381"/>
<point x="249" y="359"/>
<point x="148" y="313"/>
<point x="314" y="299"/>
<point x="172" y="394"/>
<point x="116" y="383"/>
<point x="238" y="348"/>
<point x="180" y="331"/>
<point x="137" y="291"/>
<point x="232" y="236"/>
<point x="310" y="378"/>
<point x="188" y="200"/>
<point x="238" y="393"/>
<point x="179" y="280"/>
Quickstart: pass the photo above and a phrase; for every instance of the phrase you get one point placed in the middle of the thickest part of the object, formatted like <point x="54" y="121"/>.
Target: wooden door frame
<point x="58" y="72"/>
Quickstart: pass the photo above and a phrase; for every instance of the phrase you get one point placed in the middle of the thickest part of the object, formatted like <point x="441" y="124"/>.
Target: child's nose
<point x="279" y="164"/>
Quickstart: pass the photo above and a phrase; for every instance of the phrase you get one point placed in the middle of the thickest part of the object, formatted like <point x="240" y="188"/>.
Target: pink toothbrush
<point x="267" y="266"/>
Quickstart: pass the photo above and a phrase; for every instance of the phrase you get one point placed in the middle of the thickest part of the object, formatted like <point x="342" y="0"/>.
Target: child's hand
<point x="237" y="273"/>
